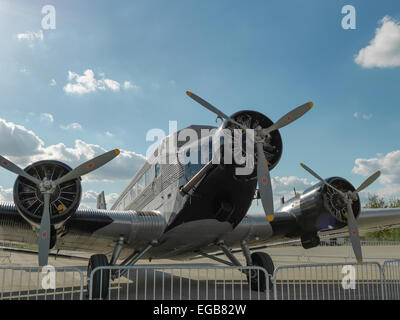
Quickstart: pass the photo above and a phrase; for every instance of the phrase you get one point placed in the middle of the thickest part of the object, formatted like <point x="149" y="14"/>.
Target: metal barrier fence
<point x="168" y="282"/>
<point x="36" y="283"/>
<point x="347" y="242"/>
<point x="391" y="279"/>
<point x="330" y="281"/>
<point x="333" y="281"/>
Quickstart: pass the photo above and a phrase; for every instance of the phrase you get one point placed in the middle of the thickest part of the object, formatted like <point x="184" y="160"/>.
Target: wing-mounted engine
<point x="335" y="204"/>
<point x="64" y="201"/>
<point x="320" y="208"/>
<point x="331" y="204"/>
<point x="48" y="192"/>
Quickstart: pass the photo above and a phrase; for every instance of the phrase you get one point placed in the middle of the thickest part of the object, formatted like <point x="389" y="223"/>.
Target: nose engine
<point x="64" y="201"/>
<point x="272" y="145"/>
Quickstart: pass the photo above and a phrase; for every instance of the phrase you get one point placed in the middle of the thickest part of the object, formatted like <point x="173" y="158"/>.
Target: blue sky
<point x="270" y="56"/>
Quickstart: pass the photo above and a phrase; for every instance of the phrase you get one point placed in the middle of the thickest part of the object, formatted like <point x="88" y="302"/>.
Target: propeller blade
<point x="213" y="109"/>
<point x="7" y="164"/>
<point x="368" y="181"/>
<point x="290" y="117"/>
<point x="44" y="233"/>
<point x="89" y="166"/>
<point x="353" y="231"/>
<point x="264" y="183"/>
<point x="322" y="180"/>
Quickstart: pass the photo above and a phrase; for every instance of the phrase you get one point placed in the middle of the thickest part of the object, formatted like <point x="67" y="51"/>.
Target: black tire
<point x="101" y="279"/>
<point x="257" y="280"/>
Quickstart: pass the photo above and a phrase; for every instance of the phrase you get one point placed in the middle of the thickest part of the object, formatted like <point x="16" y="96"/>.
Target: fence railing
<point x="328" y="281"/>
<point x="166" y="282"/>
<point x="391" y="279"/>
<point x="36" y="283"/>
<point x="347" y="242"/>
<point x="333" y="281"/>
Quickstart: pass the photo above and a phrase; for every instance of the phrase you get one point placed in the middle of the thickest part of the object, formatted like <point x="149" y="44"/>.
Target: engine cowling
<point x="320" y="208"/>
<point x="63" y="202"/>
<point x="272" y="146"/>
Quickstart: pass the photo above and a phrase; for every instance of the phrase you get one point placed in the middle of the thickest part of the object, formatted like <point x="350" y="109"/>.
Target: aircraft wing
<point x="87" y="230"/>
<point x="369" y="220"/>
<point x="378" y="219"/>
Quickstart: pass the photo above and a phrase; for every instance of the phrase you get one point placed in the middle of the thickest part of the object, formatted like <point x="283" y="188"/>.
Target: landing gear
<point x="257" y="279"/>
<point x="101" y="279"/>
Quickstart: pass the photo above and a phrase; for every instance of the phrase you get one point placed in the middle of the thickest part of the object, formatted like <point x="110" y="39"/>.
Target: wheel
<point x="101" y="279"/>
<point x="258" y="280"/>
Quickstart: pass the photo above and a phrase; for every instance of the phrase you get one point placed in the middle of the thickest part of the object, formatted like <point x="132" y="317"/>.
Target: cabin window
<point x="140" y="185"/>
<point x="133" y="193"/>
<point x="157" y="170"/>
<point x="147" y="177"/>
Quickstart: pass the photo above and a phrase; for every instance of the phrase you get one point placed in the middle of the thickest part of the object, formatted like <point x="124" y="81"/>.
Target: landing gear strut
<point x="102" y="278"/>
<point x="257" y="279"/>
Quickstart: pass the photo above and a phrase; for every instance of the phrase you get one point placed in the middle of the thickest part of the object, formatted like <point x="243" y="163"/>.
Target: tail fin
<point x="101" y="201"/>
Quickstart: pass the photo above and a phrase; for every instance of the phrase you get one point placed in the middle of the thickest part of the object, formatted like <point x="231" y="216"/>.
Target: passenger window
<point x="140" y="185"/>
<point x="147" y="177"/>
<point x="133" y="193"/>
<point x="157" y="170"/>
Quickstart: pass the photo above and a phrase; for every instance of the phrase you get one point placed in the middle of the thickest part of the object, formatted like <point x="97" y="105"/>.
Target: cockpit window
<point x="192" y="168"/>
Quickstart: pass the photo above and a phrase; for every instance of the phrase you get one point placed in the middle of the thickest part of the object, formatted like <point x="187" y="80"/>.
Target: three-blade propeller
<point x="348" y="197"/>
<point x="47" y="187"/>
<point x="263" y="175"/>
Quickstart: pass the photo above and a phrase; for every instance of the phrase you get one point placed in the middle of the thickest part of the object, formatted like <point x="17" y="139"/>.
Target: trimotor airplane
<point x="184" y="211"/>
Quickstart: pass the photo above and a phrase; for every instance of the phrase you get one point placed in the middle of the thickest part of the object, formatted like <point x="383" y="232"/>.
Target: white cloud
<point x="23" y="147"/>
<point x="110" y="199"/>
<point x="47" y="117"/>
<point x="87" y="83"/>
<point x="72" y="126"/>
<point x="6" y="194"/>
<point x="53" y="82"/>
<point x="389" y="165"/>
<point x="84" y="206"/>
<point x="112" y="84"/>
<point x="129" y="85"/>
<point x="363" y="116"/>
<point x="109" y="134"/>
<point x="384" y="49"/>
<point x="283" y="186"/>
<point x="17" y="141"/>
<point x="89" y="199"/>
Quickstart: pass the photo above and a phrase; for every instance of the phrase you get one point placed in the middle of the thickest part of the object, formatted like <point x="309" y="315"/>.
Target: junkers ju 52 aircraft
<point x="183" y="210"/>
